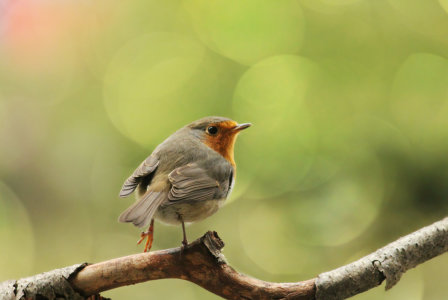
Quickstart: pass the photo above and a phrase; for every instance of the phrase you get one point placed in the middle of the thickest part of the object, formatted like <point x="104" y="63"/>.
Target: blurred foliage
<point x="349" y="101"/>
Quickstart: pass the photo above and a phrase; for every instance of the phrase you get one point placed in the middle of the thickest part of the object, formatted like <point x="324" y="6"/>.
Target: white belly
<point x="190" y="212"/>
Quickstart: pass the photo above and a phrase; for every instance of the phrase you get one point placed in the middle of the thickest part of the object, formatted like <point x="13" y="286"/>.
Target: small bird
<point x="186" y="178"/>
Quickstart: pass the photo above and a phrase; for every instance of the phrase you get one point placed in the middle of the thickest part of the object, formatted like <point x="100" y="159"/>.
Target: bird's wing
<point x="193" y="183"/>
<point x="148" y="166"/>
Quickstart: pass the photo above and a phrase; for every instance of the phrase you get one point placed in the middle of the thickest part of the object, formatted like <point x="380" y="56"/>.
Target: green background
<point x="347" y="152"/>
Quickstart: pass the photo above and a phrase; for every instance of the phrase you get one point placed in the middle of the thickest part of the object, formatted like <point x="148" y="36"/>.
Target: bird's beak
<point x="242" y="126"/>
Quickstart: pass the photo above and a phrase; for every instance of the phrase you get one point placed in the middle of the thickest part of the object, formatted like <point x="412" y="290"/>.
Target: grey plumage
<point x="192" y="182"/>
<point x="182" y="177"/>
<point x="145" y="169"/>
<point x="142" y="211"/>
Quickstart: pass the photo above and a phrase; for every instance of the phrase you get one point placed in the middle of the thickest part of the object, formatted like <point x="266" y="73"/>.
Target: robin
<point x="186" y="178"/>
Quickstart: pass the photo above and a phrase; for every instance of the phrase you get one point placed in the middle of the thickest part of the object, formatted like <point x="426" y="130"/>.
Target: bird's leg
<point x="184" y="241"/>
<point x="147" y="234"/>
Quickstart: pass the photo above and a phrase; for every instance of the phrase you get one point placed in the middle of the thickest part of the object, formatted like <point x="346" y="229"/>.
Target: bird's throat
<point x="224" y="146"/>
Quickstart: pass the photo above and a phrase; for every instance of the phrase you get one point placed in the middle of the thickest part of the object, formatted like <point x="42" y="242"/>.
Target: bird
<point x="186" y="178"/>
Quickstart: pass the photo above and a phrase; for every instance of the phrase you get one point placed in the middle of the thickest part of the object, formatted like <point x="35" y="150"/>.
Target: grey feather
<point x="146" y="168"/>
<point x="181" y="171"/>
<point x="192" y="183"/>
<point x="142" y="211"/>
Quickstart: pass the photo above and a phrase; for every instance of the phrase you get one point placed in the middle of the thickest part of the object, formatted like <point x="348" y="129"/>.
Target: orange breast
<point x="224" y="141"/>
<point x="224" y="147"/>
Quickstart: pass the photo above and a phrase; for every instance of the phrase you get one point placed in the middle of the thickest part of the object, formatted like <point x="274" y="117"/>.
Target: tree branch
<point x="389" y="263"/>
<point x="201" y="262"/>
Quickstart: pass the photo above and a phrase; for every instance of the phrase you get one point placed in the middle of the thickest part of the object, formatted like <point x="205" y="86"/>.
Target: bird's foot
<point x="149" y="235"/>
<point x="184" y="245"/>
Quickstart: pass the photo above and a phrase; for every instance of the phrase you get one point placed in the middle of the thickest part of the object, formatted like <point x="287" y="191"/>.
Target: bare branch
<point x="389" y="263"/>
<point x="201" y="262"/>
<point x="48" y="285"/>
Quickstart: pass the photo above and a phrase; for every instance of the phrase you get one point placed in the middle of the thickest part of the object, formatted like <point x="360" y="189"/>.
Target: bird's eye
<point x="212" y="130"/>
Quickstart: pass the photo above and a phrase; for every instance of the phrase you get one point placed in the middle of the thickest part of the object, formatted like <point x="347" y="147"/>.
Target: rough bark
<point x="389" y="263"/>
<point x="48" y="285"/>
<point x="201" y="262"/>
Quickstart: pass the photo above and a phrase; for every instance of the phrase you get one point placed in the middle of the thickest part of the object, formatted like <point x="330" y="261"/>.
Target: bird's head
<point x="219" y="134"/>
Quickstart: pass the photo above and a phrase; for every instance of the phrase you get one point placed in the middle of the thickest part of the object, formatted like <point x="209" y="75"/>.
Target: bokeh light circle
<point x="279" y="148"/>
<point x="432" y="23"/>
<point x="421" y="86"/>
<point x="342" y="208"/>
<point x="349" y="197"/>
<point x="264" y="233"/>
<point x="444" y="4"/>
<point x="141" y="79"/>
<point x="331" y="215"/>
<point x="247" y="31"/>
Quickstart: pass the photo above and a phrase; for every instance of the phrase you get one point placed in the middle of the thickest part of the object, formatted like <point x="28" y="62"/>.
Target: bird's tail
<point x="142" y="211"/>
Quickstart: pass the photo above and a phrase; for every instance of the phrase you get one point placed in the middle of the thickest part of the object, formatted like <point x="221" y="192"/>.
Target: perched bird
<point x="186" y="179"/>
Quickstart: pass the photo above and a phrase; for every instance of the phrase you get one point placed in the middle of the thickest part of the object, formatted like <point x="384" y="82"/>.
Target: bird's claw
<point x="149" y="235"/>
